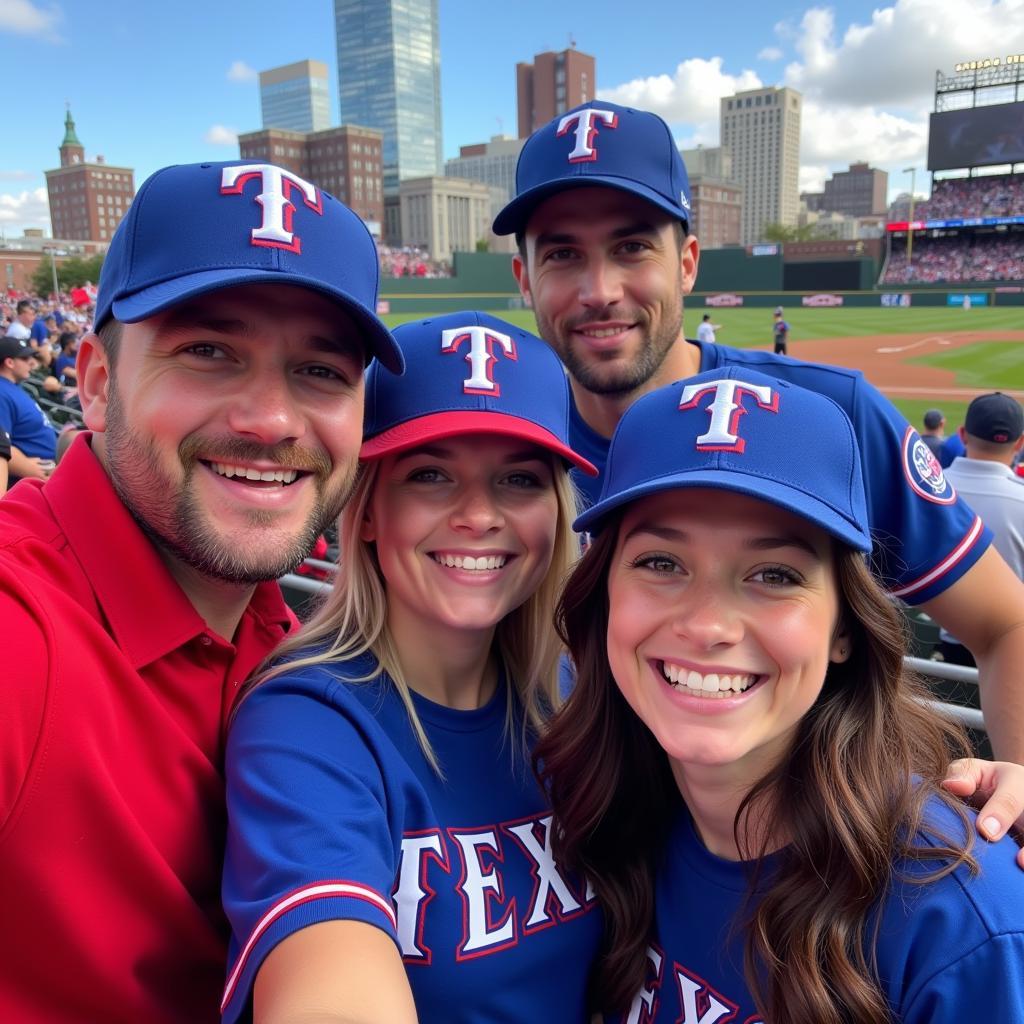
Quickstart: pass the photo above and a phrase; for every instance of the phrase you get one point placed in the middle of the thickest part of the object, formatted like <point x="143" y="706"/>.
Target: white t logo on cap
<point x="276" y="185"/>
<point x="585" y="131"/>
<point x="481" y="356"/>
<point x="725" y="410"/>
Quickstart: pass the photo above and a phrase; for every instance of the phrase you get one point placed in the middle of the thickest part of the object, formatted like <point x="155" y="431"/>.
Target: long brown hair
<point x="849" y="798"/>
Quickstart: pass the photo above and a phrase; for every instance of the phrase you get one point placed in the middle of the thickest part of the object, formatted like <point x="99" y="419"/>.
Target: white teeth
<point x="713" y="683"/>
<point x="282" y="476"/>
<point x="605" y="332"/>
<point x="476" y="564"/>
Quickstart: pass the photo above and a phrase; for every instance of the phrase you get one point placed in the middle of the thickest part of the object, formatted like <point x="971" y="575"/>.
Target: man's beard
<point x="168" y="513"/>
<point x="594" y="375"/>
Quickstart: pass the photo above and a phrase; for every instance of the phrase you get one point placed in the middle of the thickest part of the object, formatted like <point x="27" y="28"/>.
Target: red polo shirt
<point x="113" y="707"/>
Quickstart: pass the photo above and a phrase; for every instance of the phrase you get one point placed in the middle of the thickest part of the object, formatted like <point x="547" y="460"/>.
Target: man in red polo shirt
<point x="224" y="395"/>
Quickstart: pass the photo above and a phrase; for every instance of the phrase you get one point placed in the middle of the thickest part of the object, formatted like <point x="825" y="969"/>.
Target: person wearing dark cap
<point x="223" y="392"/>
<point x="606" y="256"/>
<point x="993" y="436"/>
<point x="33" y="438"/>
<point x="933" y="434"/>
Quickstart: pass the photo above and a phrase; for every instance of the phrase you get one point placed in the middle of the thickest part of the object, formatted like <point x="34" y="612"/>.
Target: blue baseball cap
<point x="599" y="143"/>
<point x="469" y="373"/>
<point x="738" y="430"/>
<point x="196" y="228"/>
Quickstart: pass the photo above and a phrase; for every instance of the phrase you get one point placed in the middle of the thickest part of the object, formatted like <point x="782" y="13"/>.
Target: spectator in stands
<point x="64" y="365"/>
<point x="933" y="433"/>
<point x="66" y="438"/>
<point x="24" y="317"/>
<point x="44" y="327"/>
<point x="139" y="580"/>
<point x="993" y="435"/>
<point x="33" y="439"/>
<point x="952" y="448"/>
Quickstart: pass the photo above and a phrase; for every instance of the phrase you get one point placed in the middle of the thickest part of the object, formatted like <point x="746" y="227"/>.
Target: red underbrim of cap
<point x="458" y="424"/>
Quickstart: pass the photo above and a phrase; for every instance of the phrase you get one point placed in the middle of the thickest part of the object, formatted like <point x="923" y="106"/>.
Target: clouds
<point x="27" y="19"/>
<point x="891" y="60"/>
<point x="868" y="86"/>
<point x="688" y="97"/>
<point x="240" y="72"/>
<point x="221" y="135"/>
<point x="30" y="208"/>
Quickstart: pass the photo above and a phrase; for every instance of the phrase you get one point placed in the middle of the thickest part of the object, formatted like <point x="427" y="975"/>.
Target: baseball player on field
<point x="780" y="333"/>
<point x="605" y="257"/>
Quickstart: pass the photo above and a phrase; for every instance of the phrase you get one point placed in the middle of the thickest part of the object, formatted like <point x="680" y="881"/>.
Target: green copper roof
<point x="70" y="138"/>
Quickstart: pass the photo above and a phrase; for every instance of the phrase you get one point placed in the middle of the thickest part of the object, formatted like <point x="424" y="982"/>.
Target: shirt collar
<point x="147" y="612"/>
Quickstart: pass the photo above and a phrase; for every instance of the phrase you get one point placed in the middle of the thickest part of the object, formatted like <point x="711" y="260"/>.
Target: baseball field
<point x="929" y="357"/>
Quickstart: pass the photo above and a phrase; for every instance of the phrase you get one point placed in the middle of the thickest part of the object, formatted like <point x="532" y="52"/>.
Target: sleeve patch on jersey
<point x="923" y="472"/>
<point x="321" y="890"/>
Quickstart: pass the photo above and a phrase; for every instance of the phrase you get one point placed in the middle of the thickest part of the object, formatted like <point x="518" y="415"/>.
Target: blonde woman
<point x="389" y="851"/>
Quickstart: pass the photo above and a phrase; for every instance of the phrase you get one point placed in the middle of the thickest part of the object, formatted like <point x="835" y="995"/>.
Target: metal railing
<point x="970" y="718"/>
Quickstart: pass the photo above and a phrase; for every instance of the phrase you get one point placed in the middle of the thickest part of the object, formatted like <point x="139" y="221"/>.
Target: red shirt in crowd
<point x="115" y="701"/>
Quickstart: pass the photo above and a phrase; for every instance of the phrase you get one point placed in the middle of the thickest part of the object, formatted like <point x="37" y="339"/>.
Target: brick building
<point x="345" y="161"/>
<point x="552" y="84"/>
<point x="87" y="200"/>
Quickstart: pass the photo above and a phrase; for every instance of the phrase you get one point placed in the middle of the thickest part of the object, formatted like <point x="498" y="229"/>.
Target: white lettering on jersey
<point x="549" y="885"/>
<point x="725" y="410"/>
<point x="276" y="185"/>
<point x="481" y="355"/>
<point x="412" y="893"/>
<point x="585" y="130"/>
<point x="641" y="1010"/>
<point x="481" y="890"/>
<point x="701" y="1004"/>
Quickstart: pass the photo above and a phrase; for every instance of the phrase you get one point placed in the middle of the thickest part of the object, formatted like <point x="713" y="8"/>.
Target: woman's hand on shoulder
<point x="997" y="789"/>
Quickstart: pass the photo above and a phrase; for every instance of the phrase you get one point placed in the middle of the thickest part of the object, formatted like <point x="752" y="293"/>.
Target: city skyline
<point x="122" y="75"/>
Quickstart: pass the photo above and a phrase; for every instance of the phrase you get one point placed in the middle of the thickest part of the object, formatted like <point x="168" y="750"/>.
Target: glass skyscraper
<point x="389" y="78"/>
<point x="296" y="97"/>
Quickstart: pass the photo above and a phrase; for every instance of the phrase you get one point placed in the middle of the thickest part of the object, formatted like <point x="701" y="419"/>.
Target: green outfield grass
<point x="983" y="365"/>
<point x="915" y="408"/>
<point x="746" y="327"/>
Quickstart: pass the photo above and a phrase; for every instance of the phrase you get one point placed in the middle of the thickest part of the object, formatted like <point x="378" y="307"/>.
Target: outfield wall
<point x="727" y="277"/>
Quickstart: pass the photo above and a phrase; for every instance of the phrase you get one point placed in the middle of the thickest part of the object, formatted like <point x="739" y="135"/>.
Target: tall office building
<point x="860" y="191"/>
<point x="296" y="97"/>
<point x="762" y="129"/>
<point x="87" y="200"/>
<point x="389" y="78"/>
<point x="552" y="84"/>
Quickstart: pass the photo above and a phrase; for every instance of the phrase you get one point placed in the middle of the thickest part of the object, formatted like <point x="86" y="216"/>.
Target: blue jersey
<point x="947" y="951"/>
<point x="335" y="813"/>
<point x="21" y="417"/>
<point x="925" y="537"/>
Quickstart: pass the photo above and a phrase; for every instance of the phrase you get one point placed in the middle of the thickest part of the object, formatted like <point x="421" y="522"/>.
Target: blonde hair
<point x="352" y="620"/>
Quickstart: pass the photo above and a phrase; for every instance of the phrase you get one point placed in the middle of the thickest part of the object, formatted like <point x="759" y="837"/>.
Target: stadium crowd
<point x="1000" y="195"/>
<point x="410" y="261"/>
<point x="957" y="259"/>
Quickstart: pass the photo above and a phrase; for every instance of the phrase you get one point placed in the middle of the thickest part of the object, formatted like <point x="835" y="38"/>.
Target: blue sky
<point x="151" y="84"/>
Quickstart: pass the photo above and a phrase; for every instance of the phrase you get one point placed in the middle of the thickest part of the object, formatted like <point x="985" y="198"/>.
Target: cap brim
<point x="800" y="503"/>
<point x="515" y="216"/>
<point x="440" y="425"/>
<point x="148" y="302"/>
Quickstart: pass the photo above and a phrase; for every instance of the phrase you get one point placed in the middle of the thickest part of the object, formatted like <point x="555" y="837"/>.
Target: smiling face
<point x="464" y="530"/>
<point x="606" y="276"/>
<point x="231" y="425"/>
<point x="723" y="618"/>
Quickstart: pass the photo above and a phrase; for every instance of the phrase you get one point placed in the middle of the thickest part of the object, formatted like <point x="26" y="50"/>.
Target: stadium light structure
<point x="912" y="171"/>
